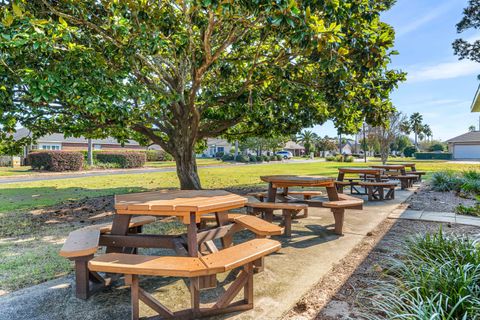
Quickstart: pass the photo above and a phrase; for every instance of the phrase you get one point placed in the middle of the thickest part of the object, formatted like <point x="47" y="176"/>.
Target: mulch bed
<point x="339" y="294"/>
<point x="429" y="200"/>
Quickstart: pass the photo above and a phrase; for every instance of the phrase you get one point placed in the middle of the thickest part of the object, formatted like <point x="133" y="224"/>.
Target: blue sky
<point x="438" y="85"/>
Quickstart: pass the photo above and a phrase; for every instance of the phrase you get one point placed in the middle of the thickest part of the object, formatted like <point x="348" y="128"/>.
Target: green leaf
<point x="17" y="10"/>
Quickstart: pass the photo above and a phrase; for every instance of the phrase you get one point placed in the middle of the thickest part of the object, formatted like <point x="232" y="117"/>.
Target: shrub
<point x="241" y="158"/>
<point x="436" y="147"/>
<point x="219" y="154"/>
<point x="227" y="157"/>
<point x="265" y="158"/>
<point x="433" y="156"/>
<point x="56" y="160"/>
<point x="409" y="151"/>
<point x="252" y="158"/>
<point x="348" y="159"/>
<point x="330" y="158"/>
<point x="273" y="158"/>
<point x="339" y="158"/>
<point x="123" y="159"/>
<point x="446" y="181"/>
<point x="437" y="278"/>
<point x="279" y="157"/>
<point x="158" y="155"/>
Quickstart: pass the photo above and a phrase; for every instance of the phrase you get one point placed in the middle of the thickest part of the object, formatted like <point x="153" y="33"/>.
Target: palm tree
<point x="415" y="125"/>
<point x="307" y="138"/>
<point x="427" y="131"/>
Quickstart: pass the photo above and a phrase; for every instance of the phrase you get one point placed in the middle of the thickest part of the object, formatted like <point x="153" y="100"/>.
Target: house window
<point x="220" y="149"/>
<point x="50" y="147"/>
<point x="97" y="147"/>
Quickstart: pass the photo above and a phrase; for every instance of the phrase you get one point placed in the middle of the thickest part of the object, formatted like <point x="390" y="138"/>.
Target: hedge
<point x="433" y="156"/>
<point x="123" y="159"/>
<point x="158" y="155"/>
<point x="56" y="160"/>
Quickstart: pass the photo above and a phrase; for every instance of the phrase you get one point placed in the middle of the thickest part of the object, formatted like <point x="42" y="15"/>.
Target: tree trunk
<point x="187" y="169"/>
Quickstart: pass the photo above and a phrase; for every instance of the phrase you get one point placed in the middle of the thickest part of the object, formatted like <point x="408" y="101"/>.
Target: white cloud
<point x="443" y="70"/>
<point x="429" y="16"/>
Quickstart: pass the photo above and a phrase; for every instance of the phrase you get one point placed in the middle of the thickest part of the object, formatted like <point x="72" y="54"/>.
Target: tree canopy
<point x="179" y="71"/>
<point x="471" y="20"/>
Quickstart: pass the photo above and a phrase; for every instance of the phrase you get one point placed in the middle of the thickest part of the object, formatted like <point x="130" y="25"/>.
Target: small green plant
<point x="446" y="181"/>
<point x="437" y="277"/>
<point x="348" y="159"/>
<point x="330" y="158"/>
<point x="339" y="158"/>
<point x="468" y="211"/>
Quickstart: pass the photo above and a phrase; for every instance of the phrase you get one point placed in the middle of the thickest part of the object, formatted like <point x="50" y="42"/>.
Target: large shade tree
<point x="465" y="48"/>
<point x="176" y="72"/>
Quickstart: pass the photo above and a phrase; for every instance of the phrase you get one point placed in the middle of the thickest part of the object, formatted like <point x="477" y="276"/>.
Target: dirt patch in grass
<point x="427" y="199"/>
<point x="339" y="294"/>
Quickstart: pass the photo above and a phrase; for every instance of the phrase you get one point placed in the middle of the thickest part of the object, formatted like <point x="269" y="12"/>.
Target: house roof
<point x="59" y="138"/>
<point x="476" y="102"/>
<point x="293" y="145"/>
<point x="473" y="136"/>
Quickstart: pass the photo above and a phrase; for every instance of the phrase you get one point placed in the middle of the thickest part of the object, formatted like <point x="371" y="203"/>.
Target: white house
<point x="465" y="146"/>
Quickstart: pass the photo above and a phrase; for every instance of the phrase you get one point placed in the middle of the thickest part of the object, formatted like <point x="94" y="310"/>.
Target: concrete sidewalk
<point x="449" y="217"/>
<point x="302" y="261"/>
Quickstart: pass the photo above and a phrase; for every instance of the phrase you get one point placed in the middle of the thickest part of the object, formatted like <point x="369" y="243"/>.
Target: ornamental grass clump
<point x="436" y="277"/>
<point x="446" y="181"/>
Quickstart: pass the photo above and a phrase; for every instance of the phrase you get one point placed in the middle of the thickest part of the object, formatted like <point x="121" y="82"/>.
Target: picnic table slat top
<point x="296" y="180"/>
<point x="389" y="166"/>
<point x="365" y="170"/>
<point x="175" y="201"/>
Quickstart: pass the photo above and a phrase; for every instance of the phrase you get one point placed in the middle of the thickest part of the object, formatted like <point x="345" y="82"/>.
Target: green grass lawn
<point x="200" y="162"/>
<point x="7" y="171"/>
<point x="29" y="253"/>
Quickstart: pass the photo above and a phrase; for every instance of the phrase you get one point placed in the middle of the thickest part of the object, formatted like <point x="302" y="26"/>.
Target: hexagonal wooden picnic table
<point x="287" y="181"/>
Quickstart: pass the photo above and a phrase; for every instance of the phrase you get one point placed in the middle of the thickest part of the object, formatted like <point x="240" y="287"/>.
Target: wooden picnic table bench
<point x="364" y="173"/>
<point x="289" y="211"/>
<point x="376" y="189"/>
<point x="413" y="170"/>
<point x="398" y="172"/>
<point x="306" y="194"/>
<point x="287" y="181"/>
<point x="82" y="244"/>
<point x="240" y="256"/>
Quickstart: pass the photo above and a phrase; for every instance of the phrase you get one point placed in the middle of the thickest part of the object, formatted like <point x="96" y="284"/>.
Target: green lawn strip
<point x="171" y="164"/>
<point x="7" y="171"/>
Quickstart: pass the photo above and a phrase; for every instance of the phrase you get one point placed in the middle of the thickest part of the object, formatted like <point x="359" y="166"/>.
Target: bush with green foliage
<point x="433" y="155"/>
<point x="123" y="159"/>
<point x="279" y="157"/>
<point x="242" y="158"/>
<point x="330" y="158"/>
<point x="56" y="160"/>
<point x="219" y="154"/>
<point x="158" y="155"/>
<point x="446" y="181"/>
<point x="409" y="151"/>
<point x="348" y="159"/>
<point x="436" y="147"/>
<point x="339" y="158"/>
<point x="228" y="157"/>
<point x="436" y="277"/>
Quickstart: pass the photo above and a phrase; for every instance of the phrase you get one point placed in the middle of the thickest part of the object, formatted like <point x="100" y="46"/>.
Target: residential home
<point x="295" y="148"/>
<point x="215" y="145"/>
<point x="465" y="146"/>
<point x="57" y="141"/>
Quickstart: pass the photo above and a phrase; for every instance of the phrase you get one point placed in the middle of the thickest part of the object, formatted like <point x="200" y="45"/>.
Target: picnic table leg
<point x="193" y="252"/>
<point x="272" y="193"/>
<point x="338" y="214"/>
<point x="82" y="277"/>
<point x="222" y="219"/>
<point x="120" y="226"/>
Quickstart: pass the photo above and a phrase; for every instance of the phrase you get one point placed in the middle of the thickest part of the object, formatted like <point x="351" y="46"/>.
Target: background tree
<point x="400" y="143"/>
<point x="325" y="144"/>
<point x="307" y="138"/>
<point x="470" y="20"/>
<point x="427" y="131"/>
<point x="472" y="128"/>
<point x="386" y="134"/>
<point x="177" y="72"/>
<point x="414" y="124"/>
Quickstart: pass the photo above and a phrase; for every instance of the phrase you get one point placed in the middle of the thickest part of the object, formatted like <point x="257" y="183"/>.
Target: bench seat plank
<point x="380" y="184"/>
<point x="343" y="204"/>
<point x="277" y="205"/>
<point x="134" y="222"/>
<point x="82" y="242"/>
<point x="240" y="254"/>
<point x="167" y="266"/>
<point x="258" y="226"/>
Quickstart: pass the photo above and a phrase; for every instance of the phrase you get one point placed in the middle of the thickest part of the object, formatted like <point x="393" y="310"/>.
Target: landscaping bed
<point x="427" y="199"/>
<point x="342" y="294"/>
